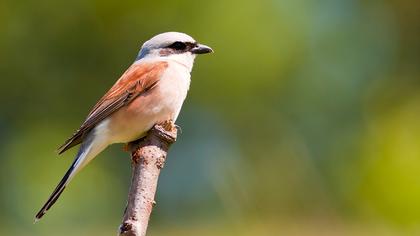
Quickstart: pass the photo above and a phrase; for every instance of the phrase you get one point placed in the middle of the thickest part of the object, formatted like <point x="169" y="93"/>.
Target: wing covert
<point x="138" y="79"/>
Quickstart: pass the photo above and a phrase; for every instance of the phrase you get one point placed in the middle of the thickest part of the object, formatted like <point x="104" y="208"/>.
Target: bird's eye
<point x="178" y="46"/>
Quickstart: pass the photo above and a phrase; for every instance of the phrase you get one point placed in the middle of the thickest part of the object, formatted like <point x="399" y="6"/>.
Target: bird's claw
<point x="178" y="128"/>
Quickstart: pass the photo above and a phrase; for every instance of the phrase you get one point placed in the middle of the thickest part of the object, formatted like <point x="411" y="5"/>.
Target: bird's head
<point x="174" y="46"/>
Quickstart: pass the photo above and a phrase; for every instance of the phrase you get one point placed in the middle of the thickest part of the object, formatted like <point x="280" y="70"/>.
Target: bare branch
<point x="148" y="158"/>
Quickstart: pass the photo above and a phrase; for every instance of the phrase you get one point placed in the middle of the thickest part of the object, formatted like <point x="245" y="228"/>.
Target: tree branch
<point x="148" y="158"/>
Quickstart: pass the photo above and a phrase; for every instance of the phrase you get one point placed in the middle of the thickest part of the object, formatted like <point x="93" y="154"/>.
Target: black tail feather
<point x="55" y="195"/>
<point x="83" y="151"/>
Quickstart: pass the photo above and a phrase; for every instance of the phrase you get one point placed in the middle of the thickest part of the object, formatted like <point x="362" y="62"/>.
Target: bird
<point x="150" y="91"/>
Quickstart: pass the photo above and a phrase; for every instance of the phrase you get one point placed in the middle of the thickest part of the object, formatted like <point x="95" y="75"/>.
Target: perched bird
<point x="152" y="90"/>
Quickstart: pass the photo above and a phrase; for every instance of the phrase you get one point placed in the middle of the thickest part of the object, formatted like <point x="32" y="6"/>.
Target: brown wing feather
<point x="138" y="79"/>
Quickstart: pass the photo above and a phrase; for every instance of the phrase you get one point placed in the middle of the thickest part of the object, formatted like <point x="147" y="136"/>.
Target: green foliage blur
<point x="305" y="120"/>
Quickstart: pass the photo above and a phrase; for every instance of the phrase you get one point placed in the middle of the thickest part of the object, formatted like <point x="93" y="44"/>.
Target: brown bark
<point x="148" y="158"/>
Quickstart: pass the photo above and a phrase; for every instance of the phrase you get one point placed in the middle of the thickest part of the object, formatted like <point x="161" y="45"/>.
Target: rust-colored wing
<point x="138" y="79"/>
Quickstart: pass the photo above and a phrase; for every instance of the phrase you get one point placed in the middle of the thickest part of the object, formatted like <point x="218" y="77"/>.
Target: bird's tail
<point x="84" y="156"/>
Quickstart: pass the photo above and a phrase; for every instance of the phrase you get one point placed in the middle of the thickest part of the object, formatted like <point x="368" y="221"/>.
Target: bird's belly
<point x="161" y="103"/>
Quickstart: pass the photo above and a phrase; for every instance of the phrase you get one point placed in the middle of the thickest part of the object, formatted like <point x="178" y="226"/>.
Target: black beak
<point x="201" y="49"/>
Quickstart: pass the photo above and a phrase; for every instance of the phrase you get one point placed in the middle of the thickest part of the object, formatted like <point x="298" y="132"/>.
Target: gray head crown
<point x="170" y="43"/>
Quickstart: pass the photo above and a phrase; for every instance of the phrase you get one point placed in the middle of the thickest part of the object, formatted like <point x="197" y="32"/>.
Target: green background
<point x="305" y="120"/>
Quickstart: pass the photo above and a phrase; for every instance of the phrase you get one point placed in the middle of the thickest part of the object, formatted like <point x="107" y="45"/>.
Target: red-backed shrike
<point x="152" y="90"/>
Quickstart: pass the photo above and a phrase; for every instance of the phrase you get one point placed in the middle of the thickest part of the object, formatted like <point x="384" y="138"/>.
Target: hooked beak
<point x="201" y="49"/>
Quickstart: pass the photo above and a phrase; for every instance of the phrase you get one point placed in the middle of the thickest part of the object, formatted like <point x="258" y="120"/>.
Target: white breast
<point x="173" y="88"/>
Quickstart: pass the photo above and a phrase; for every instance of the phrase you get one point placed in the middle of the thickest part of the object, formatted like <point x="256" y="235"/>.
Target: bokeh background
<point x="305" y="120"/>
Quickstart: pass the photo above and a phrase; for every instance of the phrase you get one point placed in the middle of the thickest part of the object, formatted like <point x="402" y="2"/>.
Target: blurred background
<point x="305" y="120"/>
